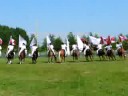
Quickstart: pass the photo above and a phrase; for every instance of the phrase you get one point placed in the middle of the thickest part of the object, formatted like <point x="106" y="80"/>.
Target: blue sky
<point x="106" y="17"/>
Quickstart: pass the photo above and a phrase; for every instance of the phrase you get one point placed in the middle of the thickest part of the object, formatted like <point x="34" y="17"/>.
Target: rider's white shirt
<point x="86" y="46"/>
<point x="63" y="46"/>
<point x="74" y="47"/>
<point x="118" y="46"/>
<point x="109" y="47"/>
<point x="10" y="47"/>
<point x="34" y="48"/>
<point x="99" y="46"/>
<point x="23" y="47"/>
<point x="51" y="46"/>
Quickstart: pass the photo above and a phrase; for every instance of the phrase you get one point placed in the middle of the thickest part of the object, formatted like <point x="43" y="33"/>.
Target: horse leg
<point x="109" y="58"/>
<point x="86" y="58"/>
<point x="61" y="59"/>
<point x="32" y="61"/>
<point x="10" y="61"/>
<point x="48" y="60"/>
<point x="103" y="57"/>
<point x="113" y="57"/>
<point x="7" y="61"/>
<point x="64" y="58"/>
<point x="91" y="57"/>
<point x="20" y="61"/>
<point x="35" y="60"/>
<point x="77" y="57"/>
<point x="124" y="55"/>
<point x="73" y="58"/>
<point x="51" y="59"/>
<point x="100" y="58"/>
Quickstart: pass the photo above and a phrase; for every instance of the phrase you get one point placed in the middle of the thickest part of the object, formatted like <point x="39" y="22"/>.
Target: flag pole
<point x="36" y="31"/>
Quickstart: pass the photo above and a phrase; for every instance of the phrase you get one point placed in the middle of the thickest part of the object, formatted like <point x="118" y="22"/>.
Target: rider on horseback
<point x="64" y="47"/>
<point x="34" y="48"/>
<point x="51" y="47"/>
<point x="74" y="47"/>
<point x="86" y="47"/>
<point x="22" y="48"/>
<point x="99" y="47"/>
<point x="10" y="49"/>
<point x="108" y="47"/>
<point x="118" y="46"/>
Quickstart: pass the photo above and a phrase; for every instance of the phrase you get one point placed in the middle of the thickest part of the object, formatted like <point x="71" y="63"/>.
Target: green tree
<point x="90" y="34"/>
<point x="44" y="45"/>
<point x="127" y="35"/>
<point x="6" y="32"/>
<point x="52" y="38"/>
<point x="57" y="43"/>
<point x="71" y="38"/>
<point x="125" y="45"/>
<point x="96" y="35"/>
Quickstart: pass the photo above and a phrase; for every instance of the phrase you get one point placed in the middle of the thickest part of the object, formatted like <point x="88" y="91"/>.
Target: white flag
<point x="68" y="49"/>
<point x="33" y="42"/>
<point x="21" y="41"/>
<point x="79" y="43"/>
<point x="94" y="41"/>
<point x="48" y="40"/>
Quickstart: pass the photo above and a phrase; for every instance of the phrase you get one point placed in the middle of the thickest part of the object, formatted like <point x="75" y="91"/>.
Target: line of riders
<point x="75" y="52"/>
<point x="22" y="53"/>
<point x="106" y="52"/>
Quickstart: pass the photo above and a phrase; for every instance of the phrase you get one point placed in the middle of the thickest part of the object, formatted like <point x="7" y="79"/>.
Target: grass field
<point x="80" y="78"/>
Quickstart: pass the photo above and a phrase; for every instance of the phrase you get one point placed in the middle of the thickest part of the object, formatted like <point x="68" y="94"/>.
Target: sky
<point x="59" y="17"/>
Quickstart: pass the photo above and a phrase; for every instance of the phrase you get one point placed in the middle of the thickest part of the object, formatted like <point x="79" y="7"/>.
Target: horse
<point x="75" y="54"/>
<point x="35" y="56"/>
<point x="121" y="53"/>
<point x="89" y="54"/>
<point x="10" y="57"/>
<point x="51" y="56"/>
<point x="110" y="55"/>
<point x="62" y="55"/>
<point x="101" y="53"/>
<point x="22" y="57"/>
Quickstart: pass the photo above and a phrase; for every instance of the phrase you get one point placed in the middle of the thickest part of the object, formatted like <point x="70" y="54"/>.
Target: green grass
<point x="80" y="78"/>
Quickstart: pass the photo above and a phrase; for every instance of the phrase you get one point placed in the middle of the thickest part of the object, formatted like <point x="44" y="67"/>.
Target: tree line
<point x="6" y="32"/>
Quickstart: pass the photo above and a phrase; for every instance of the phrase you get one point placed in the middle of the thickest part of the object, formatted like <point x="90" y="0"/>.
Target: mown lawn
<point x="80" y="78"/>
